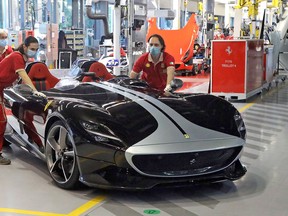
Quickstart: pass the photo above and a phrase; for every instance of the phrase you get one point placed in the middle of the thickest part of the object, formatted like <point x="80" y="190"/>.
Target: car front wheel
<point x="61" y="157"/>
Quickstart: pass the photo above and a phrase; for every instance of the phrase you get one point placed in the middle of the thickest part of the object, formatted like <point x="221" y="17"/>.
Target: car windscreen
<point x="66" y="84"/>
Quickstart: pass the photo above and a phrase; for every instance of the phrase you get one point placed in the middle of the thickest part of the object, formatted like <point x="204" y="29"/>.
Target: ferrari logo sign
<point x="186" y="136"/>
<point x="229" y="50"/>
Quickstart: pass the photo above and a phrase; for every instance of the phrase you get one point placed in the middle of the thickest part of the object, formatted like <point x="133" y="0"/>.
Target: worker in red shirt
<point x="157" y="66"/>
<point x="12" y="67"/>
<point x="5" y="50"/>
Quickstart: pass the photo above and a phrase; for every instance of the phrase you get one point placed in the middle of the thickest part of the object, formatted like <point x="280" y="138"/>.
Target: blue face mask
<point x="31" y="53"/>
<point x="154" y="51"/>
<point x="3" y="42"/>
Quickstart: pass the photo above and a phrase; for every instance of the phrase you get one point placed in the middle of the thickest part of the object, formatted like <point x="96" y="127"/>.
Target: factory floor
<point x="27" y="189"/>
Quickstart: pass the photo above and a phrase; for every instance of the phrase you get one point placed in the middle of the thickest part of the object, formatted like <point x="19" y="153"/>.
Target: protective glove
<point x="168" y="88"/>
<point x="39" y="94"/>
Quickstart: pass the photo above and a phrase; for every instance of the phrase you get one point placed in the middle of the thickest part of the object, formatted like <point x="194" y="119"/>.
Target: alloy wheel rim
<point x="60" y="154"/>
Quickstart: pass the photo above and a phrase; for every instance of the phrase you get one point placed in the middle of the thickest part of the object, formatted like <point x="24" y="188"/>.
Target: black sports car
<point x="123" y="134"/>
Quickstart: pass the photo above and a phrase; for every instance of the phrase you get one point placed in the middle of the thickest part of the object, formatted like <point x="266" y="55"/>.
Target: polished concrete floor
<point x="27" y="189"/>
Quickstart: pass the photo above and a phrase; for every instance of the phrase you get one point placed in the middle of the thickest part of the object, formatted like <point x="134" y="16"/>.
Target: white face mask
<point x="31" y="53"/>
<point x="3" y="42"/>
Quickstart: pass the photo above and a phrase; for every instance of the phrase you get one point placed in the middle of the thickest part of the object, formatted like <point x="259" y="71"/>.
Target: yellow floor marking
<point x="242" y="109"/>
<point x="26" y="212"/>
<point x="85" y="207"/>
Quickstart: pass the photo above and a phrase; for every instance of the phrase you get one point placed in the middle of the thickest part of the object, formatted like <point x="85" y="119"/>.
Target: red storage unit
<point x="237" y="68"/>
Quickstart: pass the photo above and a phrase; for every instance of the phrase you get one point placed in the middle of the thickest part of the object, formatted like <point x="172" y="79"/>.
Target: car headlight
<point x="240" y="125"/>
<point x="100" y="132"/>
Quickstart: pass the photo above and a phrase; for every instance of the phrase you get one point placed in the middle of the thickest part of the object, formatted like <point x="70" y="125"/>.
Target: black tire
<point x="61" y="157"/>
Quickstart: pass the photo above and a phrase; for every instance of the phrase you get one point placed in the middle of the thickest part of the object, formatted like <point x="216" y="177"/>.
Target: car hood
<point x="179" y="119"/>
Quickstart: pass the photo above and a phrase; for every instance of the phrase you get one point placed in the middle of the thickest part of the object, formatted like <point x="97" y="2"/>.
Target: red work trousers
<point x="3" y="119"/>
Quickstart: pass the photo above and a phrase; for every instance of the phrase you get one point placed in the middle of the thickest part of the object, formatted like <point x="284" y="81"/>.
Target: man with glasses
<point x="157" y="66"/>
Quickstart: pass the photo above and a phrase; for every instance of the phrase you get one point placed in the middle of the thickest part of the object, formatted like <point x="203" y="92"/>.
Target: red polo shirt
<point x="154" y="73"/>
<point x="7" y="51"/>
<point x="9" y="67"/>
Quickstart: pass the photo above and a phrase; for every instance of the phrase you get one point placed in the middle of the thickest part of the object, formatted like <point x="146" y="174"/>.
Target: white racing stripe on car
<point x="199" y="133"/>
<point x="173" y="134"/>
<point x="167" y="131"/>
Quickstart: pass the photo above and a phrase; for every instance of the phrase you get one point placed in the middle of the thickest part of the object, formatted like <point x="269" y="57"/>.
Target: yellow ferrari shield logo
<point x="186" y="136"/>
<point x="147" y="65"/>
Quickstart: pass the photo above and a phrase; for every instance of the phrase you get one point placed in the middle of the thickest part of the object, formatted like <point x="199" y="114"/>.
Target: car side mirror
<point x="176" y="84"/>
<point x="89" y="74"/>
